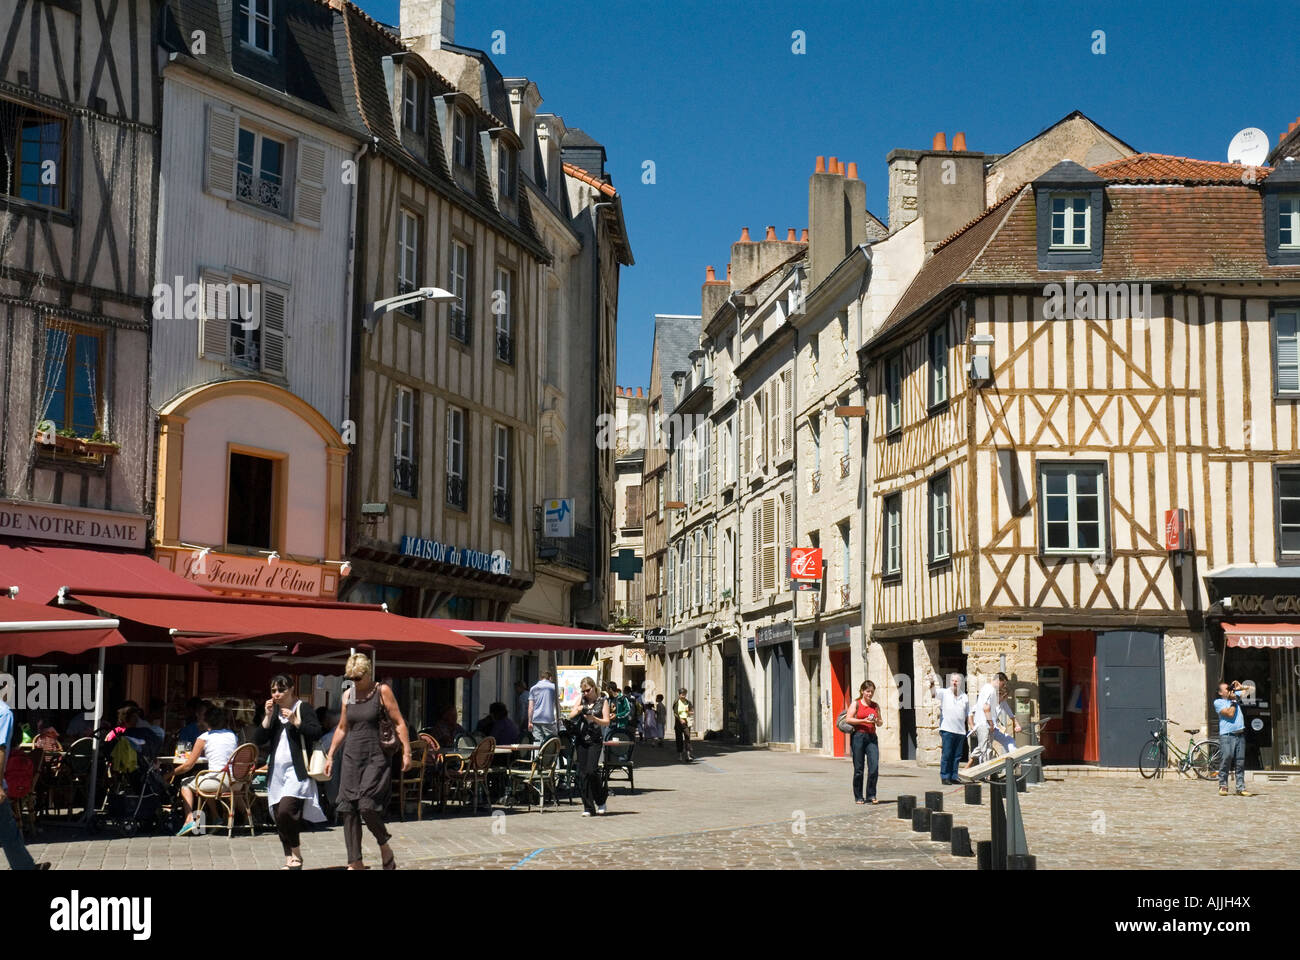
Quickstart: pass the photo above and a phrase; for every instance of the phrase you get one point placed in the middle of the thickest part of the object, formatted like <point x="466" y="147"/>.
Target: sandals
<point x="294" y="863"/>
<point x="390" y="861"/>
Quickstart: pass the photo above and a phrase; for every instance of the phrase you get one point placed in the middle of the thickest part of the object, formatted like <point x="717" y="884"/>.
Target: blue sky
<point x="733" y="119"/>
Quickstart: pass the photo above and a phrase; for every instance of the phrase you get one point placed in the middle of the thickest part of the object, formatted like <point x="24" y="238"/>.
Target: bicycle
<point x="1201" y="756"/>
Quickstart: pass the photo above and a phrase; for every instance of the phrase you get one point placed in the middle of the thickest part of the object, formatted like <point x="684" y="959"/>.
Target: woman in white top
<point x="215" y="745"/>
<point x="289" y="730"/>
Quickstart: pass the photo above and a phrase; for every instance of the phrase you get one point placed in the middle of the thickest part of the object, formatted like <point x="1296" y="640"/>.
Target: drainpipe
<point x="353" y="338"/>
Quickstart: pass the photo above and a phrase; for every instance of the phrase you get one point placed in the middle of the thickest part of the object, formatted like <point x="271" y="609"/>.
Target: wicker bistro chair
<point x="234" y="791"/>
<point x="619" y="759"/>
<point x="410" y="783"/>
<point x="533" y="775"/>
<point x="433" y="762"/>
<point x="471" y="774"/>
<point x="73" y="776"/>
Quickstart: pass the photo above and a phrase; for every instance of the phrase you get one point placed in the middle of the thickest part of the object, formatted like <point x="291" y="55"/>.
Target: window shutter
<point x="214" y="327"/>
<point x="788" y="539"/>
<point x="756" y="554"/>
<point x="273" y="336"/>
<point x="787" y="416"/>
<point x="1288" y="353"/>
<point x="309" y="188"/>
<point x="747" y="435"/>
<point x="708" y="455"/>
<point x="223" y="135"/>
<point x="773" y="422"/>
<point x="769" y="545"/>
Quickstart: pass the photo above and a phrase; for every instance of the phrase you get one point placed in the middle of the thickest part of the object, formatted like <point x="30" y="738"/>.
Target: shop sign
<point x="806" y="564"/>
<point x="774" y="634"/>
<point x="558" y="518"/>
<point x="1177" y="538"/>
<point x="223" y="571"/>
<point x="1268" y="641"/>
<point x="633" y="657"/>
<point x="497" y="563"/>
<point x="1259" y="603"/>
<point x="99" y="528"/>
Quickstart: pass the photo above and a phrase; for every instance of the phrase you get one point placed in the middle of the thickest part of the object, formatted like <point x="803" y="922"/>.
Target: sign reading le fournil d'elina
<point x="463" y="557"/>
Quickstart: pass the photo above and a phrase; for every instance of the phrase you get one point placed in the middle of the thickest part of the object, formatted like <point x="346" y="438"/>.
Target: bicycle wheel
<point x="1152" y="758"/>
<point x="1204" y="759"/>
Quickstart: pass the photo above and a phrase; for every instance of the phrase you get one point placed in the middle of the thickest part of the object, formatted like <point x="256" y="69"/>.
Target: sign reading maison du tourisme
<point x="497" y="563"/>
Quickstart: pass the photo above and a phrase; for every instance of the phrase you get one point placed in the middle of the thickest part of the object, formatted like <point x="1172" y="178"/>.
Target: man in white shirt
<point x="989" y="707"/>
<point x="954" y="718"/>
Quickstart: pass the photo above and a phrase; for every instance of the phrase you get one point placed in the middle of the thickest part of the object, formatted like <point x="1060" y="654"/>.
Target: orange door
<point x="840" y="697"/>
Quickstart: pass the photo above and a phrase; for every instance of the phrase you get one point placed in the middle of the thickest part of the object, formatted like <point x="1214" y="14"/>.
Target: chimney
<point x="940" y="142"/>
<point x="713" y="294"/>
<point x="803" y="237"/>
<point x="821" y="165"/>
<point x="771" y="234"/>
<point x="638" y="391"/>
<point x="790" y="237"/>
<point x="524" y="101"/>
<point x="828" y="217"/>
<point x="959" y="142"/>
<point x="431" y="22"/>
<point x="834" y="166"/>
<point x="744" y="236"/>
<point x="853" y="171"/>
<point x="709" y="276"/>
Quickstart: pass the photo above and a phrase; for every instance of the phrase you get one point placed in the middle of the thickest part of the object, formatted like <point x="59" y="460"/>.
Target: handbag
<point x="388" y="741"/>
<point x="842" y="724"/>
<point x="316" y="766"/>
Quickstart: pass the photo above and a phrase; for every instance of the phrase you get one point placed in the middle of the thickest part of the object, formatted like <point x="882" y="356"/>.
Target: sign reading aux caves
<point x="423" y="549"/>
<point x="558" y="516"/>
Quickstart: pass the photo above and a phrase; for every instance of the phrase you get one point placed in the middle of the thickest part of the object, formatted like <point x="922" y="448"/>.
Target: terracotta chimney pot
<point x="834" y="165"/>
<point x="853" y="171"/>
<point x="790" y="236"/>
<point x="744" y="235"/>
<point x="940" y="142"/>
<point x="803" y="237"/>
<point x="709" y="276"/>
<point x="771" y="233"/>
<point x="821" y="165"/>
<point x="959" y="142"/>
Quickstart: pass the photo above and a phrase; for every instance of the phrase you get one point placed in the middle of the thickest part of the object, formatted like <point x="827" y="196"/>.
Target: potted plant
<point x="98" y="445"/>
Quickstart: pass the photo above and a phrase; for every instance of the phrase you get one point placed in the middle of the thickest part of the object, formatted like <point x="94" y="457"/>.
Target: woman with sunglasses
<point x="289" y="730"/>
<point x="592" y="714"/>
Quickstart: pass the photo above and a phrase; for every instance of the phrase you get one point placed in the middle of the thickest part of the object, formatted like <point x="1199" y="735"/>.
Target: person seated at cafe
<point x="216" y="745"/>
<point x="194" y="708"/>
<point x="153" y="719"/>
<point x="448" y="727"/>
<point x="80" y="726"/>
<point x="504" y="730"/>
<point x="132" y="726"/>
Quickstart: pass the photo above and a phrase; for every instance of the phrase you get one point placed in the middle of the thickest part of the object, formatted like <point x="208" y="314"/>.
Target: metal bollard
<point x="934" y="800"/>
<point x="920" y="820"/>
<point x="941" y="827"/>
<point x="961" y="842"/>
<point x="906" y="804"/>
<point x="1021" y="861"/>
<point x="974" y="794"/>
<point x="984" y="855"/>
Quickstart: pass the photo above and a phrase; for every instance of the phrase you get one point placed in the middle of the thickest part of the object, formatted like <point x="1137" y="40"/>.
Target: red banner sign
<point x="1176" y="532"/>
<point x="805" y="563"/>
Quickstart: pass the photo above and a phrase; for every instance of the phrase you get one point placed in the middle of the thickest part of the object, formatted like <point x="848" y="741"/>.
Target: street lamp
<point x="381" y="307"/>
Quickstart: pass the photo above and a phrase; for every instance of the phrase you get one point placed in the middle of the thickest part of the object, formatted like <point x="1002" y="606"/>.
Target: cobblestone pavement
<point x="744" y="808"/>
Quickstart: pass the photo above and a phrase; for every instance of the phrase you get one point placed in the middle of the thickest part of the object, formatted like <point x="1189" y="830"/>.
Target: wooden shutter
<point x="214" y="325"/>
<point x="787" y="539"/>
<point x="309" y="187"/>
<point x="271" y="306"/>
<point x="707" y="464"/>
<point x="747" y="436"/>
<point x="773" y="421"/>
<point x="756" y="554"/>
<point x="787" y="411"/>
<point x="769" y="544"/>
<point x="223" y="137"/>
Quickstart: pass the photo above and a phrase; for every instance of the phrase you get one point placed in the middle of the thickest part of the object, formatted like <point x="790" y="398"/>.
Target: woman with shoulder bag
<point x="288" y="731"/>
<point x="592" y="713"/>
<point x="864" y="716"/>
<point x="372" y="727"/>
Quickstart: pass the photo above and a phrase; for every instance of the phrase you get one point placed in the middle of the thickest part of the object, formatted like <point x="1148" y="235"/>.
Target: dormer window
<point x="1070" y="221"/>
<point x="257" y="24"/>
<point x="1070" y="206"/>
<point x="461" y="146"/>
<point x="1288" y="221"/>
<point x="1281" y="198"/>
<point x="507" y="170"/>
<point x="412" y="101"/>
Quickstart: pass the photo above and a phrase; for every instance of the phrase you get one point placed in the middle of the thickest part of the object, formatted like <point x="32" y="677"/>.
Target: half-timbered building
<point x="1084" y="412"/>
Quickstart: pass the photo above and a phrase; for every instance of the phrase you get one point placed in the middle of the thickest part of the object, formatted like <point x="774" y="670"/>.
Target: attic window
<point x="1071" y="221"/>
<point x="1281" y="198"/>
<point x="1288" y="221"/>
<point x="257" y="24"/>
<point x="461" y="151"/>
<point x="507" y="169"/>
<point x="412" y="101"/>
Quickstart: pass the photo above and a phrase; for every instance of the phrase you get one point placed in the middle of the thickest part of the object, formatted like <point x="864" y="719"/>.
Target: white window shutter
<point x="309" y="188"/>
<point x="773" y="422"/>
<point x="223" y="136"/>
<point x="756" y="554"/>
<point x="214" y="326"/>
<point x="273" y="334"/>
<point x="747" y="436"/>
<point x="787" y="539"/>
<point x="769" y="545"/>
<point x="787" y="413"/>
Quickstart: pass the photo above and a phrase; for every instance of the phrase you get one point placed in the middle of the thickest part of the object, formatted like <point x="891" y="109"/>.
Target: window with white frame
<point x="257" y="24"/>
<point x="893" y="394"/>
<point x="456" y="490"/>
<point x="501" y="473"/>
<point x="458" y="284"/>
<point x="1072" y="506"/>
<point x="697" y="541"/>
<point x="1071" y="221"/>
<point x="405" y="480"/>
<point x="260" y="170"/>
<point x="939" y="365"/>
<point x="1288" y="221"/>
<point x="462" y="147"/>
<point x="408" y="256"/>
<point x="726" y="468"/>
<point x="503" y="309"/>
<point x="940" y="519"/>
<point x="728" y="545"/>
<point x="891" y="561"/>
<point x="1286" y="350"/>
<point x="507" y="167"/>
<point x="412" y="101"/>
<point x="1288" y="513"/>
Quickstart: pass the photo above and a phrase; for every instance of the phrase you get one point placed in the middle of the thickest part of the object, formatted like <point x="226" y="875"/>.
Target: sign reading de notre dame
<point x="52" y="521"/>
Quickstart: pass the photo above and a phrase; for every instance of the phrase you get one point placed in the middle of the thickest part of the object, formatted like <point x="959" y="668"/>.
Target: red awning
<point x="311" y="628"/>
<point x="1262" y="634"/>
<point x="497" y="635"/>
<point x="39" y="571"/>
<point x="30" y="630"/>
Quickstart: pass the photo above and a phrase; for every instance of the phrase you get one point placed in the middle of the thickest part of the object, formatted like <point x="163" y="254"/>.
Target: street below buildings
<point x="744" y="808"/>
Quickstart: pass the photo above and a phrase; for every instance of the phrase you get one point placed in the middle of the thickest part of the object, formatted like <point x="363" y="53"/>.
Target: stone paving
<point x="738" y="808"/>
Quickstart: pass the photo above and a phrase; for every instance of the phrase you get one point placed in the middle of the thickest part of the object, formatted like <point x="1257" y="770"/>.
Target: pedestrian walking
<point x="367" y="770"/>
<point x="592" y="713"/>
<point x="11" y="840"/>
<point x="541" y="709"/>
<point x="650" y="728"/>
<point x="865" y="716"/>
<point x="683" y="711"/>
<point x="1232" y="737"/>
<point x="954" y="719"/>
<point x="990" y="706"/>
<point x="288" y="732"/>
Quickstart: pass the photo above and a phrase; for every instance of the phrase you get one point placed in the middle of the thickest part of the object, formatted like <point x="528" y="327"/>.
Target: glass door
<point x="1286" y="712"/>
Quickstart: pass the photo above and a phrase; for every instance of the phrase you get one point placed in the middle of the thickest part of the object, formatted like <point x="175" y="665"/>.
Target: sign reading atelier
<point x="463" y="557"/>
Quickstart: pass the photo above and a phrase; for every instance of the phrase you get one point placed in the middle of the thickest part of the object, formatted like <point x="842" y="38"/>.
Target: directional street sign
<point x="976" y="644"/>
<point x="1013" y="629"/>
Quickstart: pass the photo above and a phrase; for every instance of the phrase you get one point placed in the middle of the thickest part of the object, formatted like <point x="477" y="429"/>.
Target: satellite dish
<point x="1249" y="147"/>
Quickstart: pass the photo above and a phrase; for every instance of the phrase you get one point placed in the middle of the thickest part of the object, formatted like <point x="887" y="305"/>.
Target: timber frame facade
<point x="1112" y="395"/>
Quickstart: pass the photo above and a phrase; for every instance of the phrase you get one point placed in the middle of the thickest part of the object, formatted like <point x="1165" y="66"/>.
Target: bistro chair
<point x="411" y="782"/>
<point x="619" y="759"/>
<point x="73" y="776"/>
<point x="533" y="775"/>
<point x="234" y="790"/>
<point x="433" y="769"/>
<point x="477" y="767"/>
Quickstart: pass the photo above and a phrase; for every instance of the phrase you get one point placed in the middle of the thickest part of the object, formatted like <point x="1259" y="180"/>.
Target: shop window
<point x="73" y="379"/>
<point x="250" y="501"/>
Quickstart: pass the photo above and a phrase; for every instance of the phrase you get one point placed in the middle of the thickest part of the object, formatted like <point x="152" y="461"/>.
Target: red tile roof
<point x="1162" y="168"/>
<point x="587" y="178"/>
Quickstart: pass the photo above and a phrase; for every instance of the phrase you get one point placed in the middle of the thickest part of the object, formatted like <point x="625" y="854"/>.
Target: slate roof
<point x="1167" y="219"/>
<point x="675" y="338"/>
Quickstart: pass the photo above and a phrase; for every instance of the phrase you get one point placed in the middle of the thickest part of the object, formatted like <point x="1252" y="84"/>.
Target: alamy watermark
<point x="29" y="690"/>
